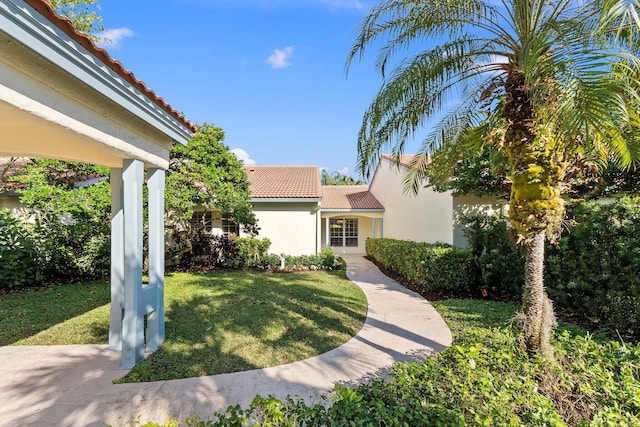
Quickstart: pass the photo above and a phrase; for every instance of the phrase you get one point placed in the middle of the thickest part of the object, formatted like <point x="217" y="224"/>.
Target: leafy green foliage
<point x="20" y="256"/>
<point x="325" y="260"/>
<point x="433" y="267"/>
<point x="468" y="170"/>
<point x="83" y="13"/>
<point x="484" y="379"/>
<point x="210" y="251"/>
<point x="252" y="251"/>
<point x="72" y="224"/>
<point x="592" y="273"/>
<point x="206" y="173"/>
<point x="500" y="265"/>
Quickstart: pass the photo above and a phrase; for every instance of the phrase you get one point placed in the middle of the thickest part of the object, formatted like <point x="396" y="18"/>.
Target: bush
<point x="325" y="260"/>
<point x="253" y="252"/>
<point x="433" y="267"/>
<point x="485" y="378"/>
<point x="500" y="267"/>
<point x="592" y="273"/>
<point x="20" y="258"/>
<point x="209" y="251"/>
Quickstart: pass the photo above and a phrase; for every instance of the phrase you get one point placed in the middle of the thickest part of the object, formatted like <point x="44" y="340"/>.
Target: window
<point x="202" y="222"/>
<point x="343" y="232"/>
<point x="212" y="222"/>
<point x="229" y="227"/>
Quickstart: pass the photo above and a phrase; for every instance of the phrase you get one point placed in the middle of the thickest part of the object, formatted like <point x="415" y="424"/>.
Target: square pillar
<point x="133" y="318"/>
<point x="117" y="261"/>
<point x="155" y="320"/>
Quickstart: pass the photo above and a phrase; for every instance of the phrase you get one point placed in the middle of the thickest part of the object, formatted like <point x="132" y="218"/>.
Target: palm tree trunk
<point x="537" y="308"/>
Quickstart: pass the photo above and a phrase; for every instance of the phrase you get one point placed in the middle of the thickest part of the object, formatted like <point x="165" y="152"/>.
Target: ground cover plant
<point x="484" y="378"/>
<point x="216" y="322"/>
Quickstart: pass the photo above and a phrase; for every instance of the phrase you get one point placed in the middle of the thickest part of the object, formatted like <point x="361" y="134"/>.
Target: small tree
<point x="205" y="173"/>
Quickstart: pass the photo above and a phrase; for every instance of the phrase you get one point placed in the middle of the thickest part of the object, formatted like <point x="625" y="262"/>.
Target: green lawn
<point x="218" y="322"/>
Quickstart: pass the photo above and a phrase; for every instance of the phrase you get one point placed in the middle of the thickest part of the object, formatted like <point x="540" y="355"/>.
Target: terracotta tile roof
<point x="348" y="197"/>
<point x="404" y="160"/>
<point x="64" y="24"/>
<point x="284" y="182"/>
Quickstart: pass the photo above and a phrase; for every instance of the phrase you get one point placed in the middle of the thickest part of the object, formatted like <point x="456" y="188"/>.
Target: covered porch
<point x="349" y="216"/>
<point x="61" y="97"/>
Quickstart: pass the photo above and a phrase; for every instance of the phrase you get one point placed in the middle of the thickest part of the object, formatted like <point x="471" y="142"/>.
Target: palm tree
<point x="337" y="178"/>
<point x="541" y="80"/>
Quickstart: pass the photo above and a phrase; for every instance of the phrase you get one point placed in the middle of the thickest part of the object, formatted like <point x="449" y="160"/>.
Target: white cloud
<point x="112" y="37"/>
<point x="243" y="156"/>
<point x="344" y="171"/>
<point x="280" y="58"/>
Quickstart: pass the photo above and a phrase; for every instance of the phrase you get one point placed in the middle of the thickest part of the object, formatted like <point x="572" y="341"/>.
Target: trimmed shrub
<point x="253" y="252"/>
<point x="325" y="260"/>
<point x="20" y="258"/>
<point x="209" y="251"/>
<point x="592" y="273"/>
<point x="500" y="266"/>
<point x="433" y="267"/>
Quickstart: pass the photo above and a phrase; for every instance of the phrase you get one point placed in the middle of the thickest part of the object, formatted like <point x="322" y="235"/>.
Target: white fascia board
<point x="285" y="200"/>
<point x="25" y="25"/>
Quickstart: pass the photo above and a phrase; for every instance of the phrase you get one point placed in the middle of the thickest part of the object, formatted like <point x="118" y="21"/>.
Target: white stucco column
<point x="155" y="320"/>
<point x="328" y="234"/>
<point x="133" y="318"/>
<point x="381" y="227"/>
<point x="117" y="261"/>
<point x="318" y="230"/>
<point x="373" y="228"/>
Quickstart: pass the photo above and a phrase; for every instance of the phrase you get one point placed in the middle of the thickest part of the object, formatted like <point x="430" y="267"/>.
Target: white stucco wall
<point x="427" y="217"/>
<point x="291" y="227"/>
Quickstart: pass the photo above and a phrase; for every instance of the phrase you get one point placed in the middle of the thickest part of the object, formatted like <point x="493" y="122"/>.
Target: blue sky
<point x="271" y="73"/>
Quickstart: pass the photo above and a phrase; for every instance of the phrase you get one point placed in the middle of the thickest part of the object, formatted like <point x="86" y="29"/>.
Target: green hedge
<point x="20" y="256"/>
<point x="433" y="267"/>
<point x="594" y="270"/>
<point x="591" y="274"/>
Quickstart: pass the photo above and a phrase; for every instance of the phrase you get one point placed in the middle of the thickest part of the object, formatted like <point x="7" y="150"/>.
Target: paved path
<point x="71" y="385"/>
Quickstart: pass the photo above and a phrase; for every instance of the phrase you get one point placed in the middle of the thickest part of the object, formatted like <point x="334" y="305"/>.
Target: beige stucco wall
<point x="470" y="205"/>
<point x="291" y="227"/>
<point x="427" y="217"/>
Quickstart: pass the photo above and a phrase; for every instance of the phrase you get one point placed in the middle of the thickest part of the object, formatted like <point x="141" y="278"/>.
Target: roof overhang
<point x="352" y="210"/>
<point x="59" y="100"/>
<point x="285" y="200"/>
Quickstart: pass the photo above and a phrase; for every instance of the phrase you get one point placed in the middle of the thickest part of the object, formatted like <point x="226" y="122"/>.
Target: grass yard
<point x="218" y="322"/>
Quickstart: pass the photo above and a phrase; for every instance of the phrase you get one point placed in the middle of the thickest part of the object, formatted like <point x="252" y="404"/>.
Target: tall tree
<point x="537" y="79"/>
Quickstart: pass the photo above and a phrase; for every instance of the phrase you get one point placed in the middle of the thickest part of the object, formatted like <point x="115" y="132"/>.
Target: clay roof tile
<point x="284" y="182"/>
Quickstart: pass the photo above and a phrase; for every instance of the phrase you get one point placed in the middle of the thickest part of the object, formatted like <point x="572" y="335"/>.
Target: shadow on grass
<point x="224" y="322"/>
<point x="24" y="314"/>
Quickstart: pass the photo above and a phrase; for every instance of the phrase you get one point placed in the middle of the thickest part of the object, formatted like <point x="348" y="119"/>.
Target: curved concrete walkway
<point x="71" y="385"/>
